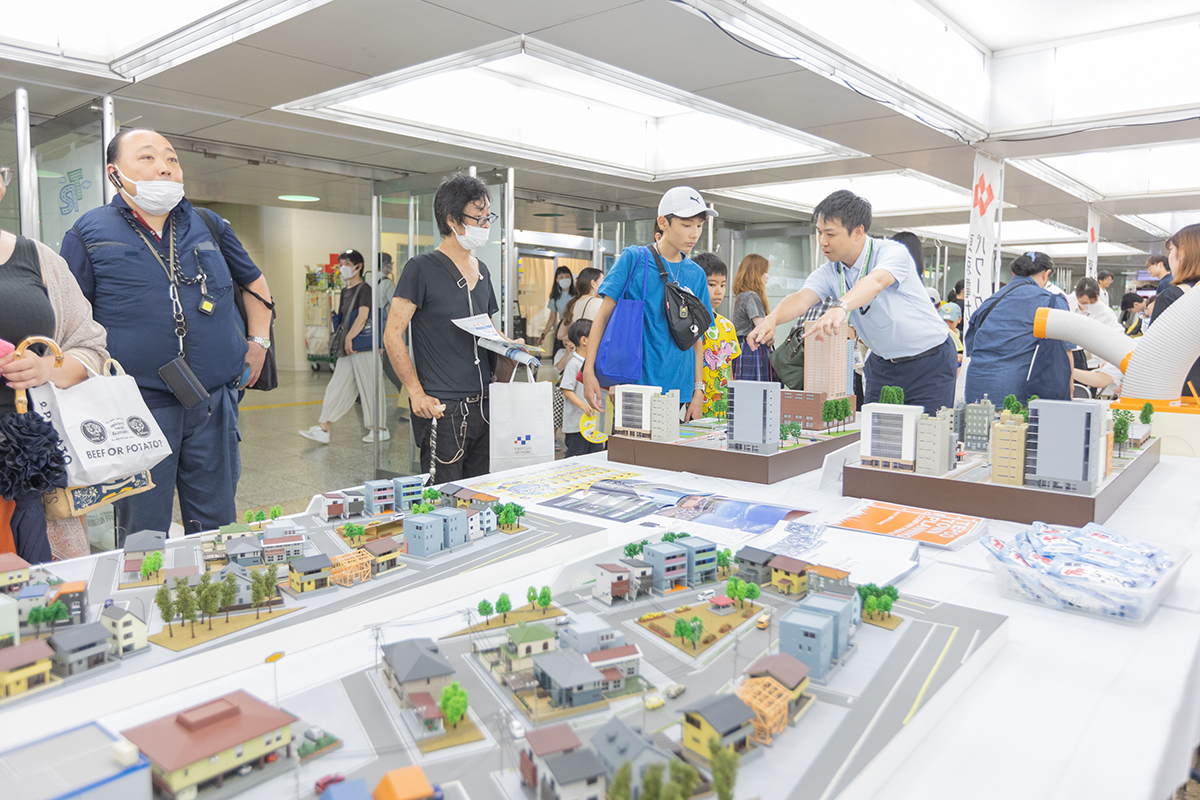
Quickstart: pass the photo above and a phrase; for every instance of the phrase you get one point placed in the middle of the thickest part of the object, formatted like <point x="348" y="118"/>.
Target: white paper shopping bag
<point x="522" y="424"/>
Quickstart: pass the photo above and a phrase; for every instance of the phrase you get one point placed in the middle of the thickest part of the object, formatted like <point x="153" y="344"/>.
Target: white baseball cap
<point x="684" y="202"/>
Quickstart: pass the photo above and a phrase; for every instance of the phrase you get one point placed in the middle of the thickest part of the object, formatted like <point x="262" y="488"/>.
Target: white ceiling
<point x="229" y="95"/>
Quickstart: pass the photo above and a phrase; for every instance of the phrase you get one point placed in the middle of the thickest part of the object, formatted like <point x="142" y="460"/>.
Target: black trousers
<point x="927" y="382"/>
<point x="463" y="446"/>
<point x="578" y="445"/>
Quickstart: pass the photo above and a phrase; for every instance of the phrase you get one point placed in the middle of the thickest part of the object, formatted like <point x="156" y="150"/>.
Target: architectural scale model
<point x="828" y="377"/>
<point x="1067" y="445"/>
<point x="977" y="424"/>
<point x="644" y="412"/>
<point x="1009" y="436"/>
<point x="889" y="436"/>
<point x="752" y="416"/>
<point x="937" y="448"/>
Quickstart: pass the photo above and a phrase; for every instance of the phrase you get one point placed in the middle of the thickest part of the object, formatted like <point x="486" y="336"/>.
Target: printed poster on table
<point x="933" y="528"/>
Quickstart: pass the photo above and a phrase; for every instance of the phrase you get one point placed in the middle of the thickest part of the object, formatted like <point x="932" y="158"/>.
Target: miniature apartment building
<point x="407" y="491"/>
<point x="14" y="573"/>
<point x="754" y="565"/>
<point x="789" y="575"/>
<point x="644" y="412"/>
<point x="385" y="555"/>
<point x="1065" y="445"/>
<point x="1008" y="449"/>
<point x="937" y="449"/>
<point x="958" y="419"/>
<point x="701" y="559"/>
<point x="641" y="577"/>
<point x="539" y="745"/>
<point x="282" y="549"/>
<point x="568" y="677"/>
<point x="669" y="565"/>
<point x="724" y="717"/>
<point x="10" y="622"/>
<point x="889" y="436"/>
<point x="423" y="535"/>
<point x="31" y="596"/>
<point x="454" y="526"/>
<point x="79" y="648"/>
<point x="380" y="497"/>
<point x="73" y="595"/>
<point x="356" y="502"/>
<point x="284" y="526"/>
<point x="808" y="636"/>
<point x="752" y="416"/>
<point x="838" y="608"/>
<point x="626" y="659"/>
<point x="805" y="407"/>
<point x="618" y="742"/>
<point x="126" y="630"/>
<point x="209" y="741"/>
<point x="825" y="363"/>
<point x="612" y="583"/>
<point x="86" y="762"/>
<point x="244" y="550"/>
<point x="485" y="517"/>
<point x="333" y="506"/>
<point x="588" y="633"/>
<point x="309" y="574"/>
<point x="525" y="641"/>
<point x="977" y="425"/>
<point x="24" y="667"/>
<point x="415" y="665"/>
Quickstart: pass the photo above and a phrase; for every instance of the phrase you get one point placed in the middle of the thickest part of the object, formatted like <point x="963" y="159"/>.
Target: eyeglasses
<point x="5" y="175"/>
<point x="484" y="222"/>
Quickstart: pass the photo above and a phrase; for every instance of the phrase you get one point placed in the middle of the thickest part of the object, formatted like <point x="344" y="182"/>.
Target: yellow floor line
<point x="298" y="403"/>
<point x="921" y="695"/>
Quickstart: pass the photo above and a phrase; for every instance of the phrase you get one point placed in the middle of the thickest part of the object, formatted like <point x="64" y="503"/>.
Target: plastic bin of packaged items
<point x="1080" y="581"/>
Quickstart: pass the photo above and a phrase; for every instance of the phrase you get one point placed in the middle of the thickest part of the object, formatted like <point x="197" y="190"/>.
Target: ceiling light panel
<point x="1166" y="169"/>
<point x="890" y="193"/>
<point x="1168" y="222"/>
<point x="1080" y="249"/>
<point x="1026" y="231"/>
<point x="588" y="115"/>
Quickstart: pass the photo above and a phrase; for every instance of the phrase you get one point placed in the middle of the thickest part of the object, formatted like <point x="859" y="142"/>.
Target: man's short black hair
<point x="1103" y="274"/>
<point x="959" y="286"/>
<point x="846" y="208"/>
<point x="1130" y="300"/>
<point x="454" y="194"/>
<point x="114" y="147"/>
<point x="579" y="329"/>
<point x="711" y="263"/>
<point x="353" y="256"/>
<point x="1089" y="288"/>
<point x="1159" y="259"/>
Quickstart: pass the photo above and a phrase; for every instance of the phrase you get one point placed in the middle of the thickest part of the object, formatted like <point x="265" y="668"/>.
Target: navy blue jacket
<point x="129" y="293"/>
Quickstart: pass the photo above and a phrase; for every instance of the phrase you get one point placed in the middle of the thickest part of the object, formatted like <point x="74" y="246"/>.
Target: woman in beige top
<point x="583" y="305"/>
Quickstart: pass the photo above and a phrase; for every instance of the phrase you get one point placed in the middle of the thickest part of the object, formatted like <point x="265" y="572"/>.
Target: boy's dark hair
<point x="659" y="231"/>
<point x="711" y="263"/>
<point x="846" y="208"/>
<point x="1089" y="288"/>
<point x="454" y="194"/>
<point x="1103" y="274"/>
<point x="1129" y="300"/>
<point x="1029" y="264"/>
<point x="579" y="329"/>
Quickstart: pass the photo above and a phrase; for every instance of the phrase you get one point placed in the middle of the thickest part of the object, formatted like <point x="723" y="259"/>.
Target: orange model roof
<point x="406" y="783"/>
<point x="73" y="587"/>
<point x="177" y="740"/>
<point x="829" y="572"/>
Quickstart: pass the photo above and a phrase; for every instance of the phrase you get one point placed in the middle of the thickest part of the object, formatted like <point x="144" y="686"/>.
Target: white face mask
<point x="155" y="197"/>
<point x="564" y="284"/>
<point x="473" y="237"/>
<point x="347" y="271"/>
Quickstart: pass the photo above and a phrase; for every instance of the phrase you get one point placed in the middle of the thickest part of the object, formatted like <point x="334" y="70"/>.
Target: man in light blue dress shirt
<point x="878" y="291"/>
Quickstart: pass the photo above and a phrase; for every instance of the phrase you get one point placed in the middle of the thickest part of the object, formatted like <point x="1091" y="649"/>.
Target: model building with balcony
<point x="752" y="416"/>
<point x="889" y="436"/>
<point x="644" y="412"/>
<point x="977" y="425"/>
<point x="1065" y="445"/>
<point x="1008" y="449"/>
<point x="937" y="450"/>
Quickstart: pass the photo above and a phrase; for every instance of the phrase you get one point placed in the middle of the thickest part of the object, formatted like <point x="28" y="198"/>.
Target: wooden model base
<point x="732" y="464"/>
<point x="1013" y="503"/>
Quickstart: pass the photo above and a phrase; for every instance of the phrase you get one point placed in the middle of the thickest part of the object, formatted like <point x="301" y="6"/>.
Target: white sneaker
<point x="316" y="434"/>
<point x="384" y="435"/>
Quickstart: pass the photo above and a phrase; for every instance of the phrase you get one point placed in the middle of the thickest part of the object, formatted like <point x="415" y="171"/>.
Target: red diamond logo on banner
<point x="1091" y="234"/>
<point x="983" y="196"/>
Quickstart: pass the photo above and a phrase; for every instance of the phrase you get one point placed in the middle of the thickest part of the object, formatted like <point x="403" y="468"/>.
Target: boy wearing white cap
<point x="682" y="213"/>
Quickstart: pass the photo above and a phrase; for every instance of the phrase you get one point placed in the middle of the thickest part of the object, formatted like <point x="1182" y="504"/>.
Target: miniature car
<point x="108" y="603"/>
<point x="654" y="701"/>
<point x="329" y="780"/>
<point x="562" y="620"/>
<point x="245" y="769"/>
<point x="315" y="734"/>
<point x="271" y="757"/>
<point x="438" y="794"/>
<point x="764" y="621"/>
<point x="674" y="690"/>
<point x="516" y="729"/>
<point x="707" y="594"/>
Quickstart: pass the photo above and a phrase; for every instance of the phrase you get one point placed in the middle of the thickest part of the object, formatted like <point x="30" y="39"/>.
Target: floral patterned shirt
<point x="720" y="349"/>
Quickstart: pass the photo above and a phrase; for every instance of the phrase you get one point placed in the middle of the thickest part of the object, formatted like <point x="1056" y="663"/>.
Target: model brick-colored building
<point x="752" y="416"/>
<point x="1008" y="449"/>
<point x="207" y="742"/>
<point x="805" y="407"/>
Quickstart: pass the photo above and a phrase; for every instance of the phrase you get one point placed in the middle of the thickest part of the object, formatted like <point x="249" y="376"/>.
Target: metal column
<point x="509" y="245"/>
<point x="27" y="197"/>
<point x="376" y="335"/>
<point x="108" y="130"/>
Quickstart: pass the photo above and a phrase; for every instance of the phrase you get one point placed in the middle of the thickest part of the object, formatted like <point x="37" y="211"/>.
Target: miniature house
<point x="309" y="574"/>
<point x="588" y="633"/>
<point x="142" y="543"/>
<point x="454" y="526"/>
<point x="617" y="742"/>
<point x="889" y="436"/>
<point x="31" y="596"/>
<point x="612" y="583"/>
<point x="828" y="579"/>
<point x="10" y="622"/>
<point x="977" y="425"/>
<point x="724" y="717"/>
<point x="808" y="636"/>
<point x="380" y="497"/>
<point x="789" y="576"/>
<point x="283" y="526"/>
<point x="385" y="554"/>
<point x="1065" y="445"/>
<point x="578" y="775"/>
<point x="668" y="563"/>
<point x="752" y="416"/>
<point x="356" y="502"/>
<point x="86" y="762"/>
<point x="333" y="506"/>
<point x="209" y="741"/>
<point x="541" y="744"/>
<point x="244" y="550"/>
<point x="1008" y="449"/>
<point x="24" y="667"/>
<point x="788" y="671"/>
<point x="840" y="610"/>
<point x="753" y="565"/>
<point x="626" y="659"/>
<point x="641" y="577"/>
<point x="415" y="665"/>
<point x="74" y="596"/>
<point x="701" y="559"/>
<point x="282" y="549"/>
<point x="937" y="449"/>
<point x="423" y="535"/>
<point x="448" y="495"/>
<point x="14" y="573"/>
<point x="524" y="642"/>
<point x="405" y="783"/>
<point x="568" y="678"/>
<point x="79" y="648"/>
<point x="126" y="630"/>
<point x="407" y="492"/>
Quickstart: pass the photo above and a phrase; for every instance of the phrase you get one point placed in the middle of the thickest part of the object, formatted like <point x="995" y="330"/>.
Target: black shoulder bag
<point x="687" y="318"/>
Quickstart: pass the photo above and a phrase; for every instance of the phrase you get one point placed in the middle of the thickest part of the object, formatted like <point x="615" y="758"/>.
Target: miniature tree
<point x="453" y="703"/>
<point x="1147" y="415"/>
<point x="621" y="786"/>
<point x="723" y="560"/>
<point x="1012" y="404"/>
<point x="827" y="412"/>
<point x="531" y="594"/>
<point x="276" y="512"/>
<point x="733" y="588"/>
<point x="185" y="601"/>
<point x="503" y="606"/>
<point x="633" y="550"/>
<point x="724" y="768"/>
<point x="783" y="432"/>
<point x="146" y="570"/>
<point x="156" y="561"/>
<point x="870" y="605"/>
<point x="697" y="626"/>
<point x="507" y="518"/>
<point x="270" y="585"/>
<point x="685" y="776"/>
<point x="56" y="612"/>
<point x="228" y="593"/>
<point x="201" y="588"/>
<point x="890" y="591"/>
<point x="249" y="517"/>
<point x="847" y="411"/>
<point x="544" y="599"/>
<point x="751" y="592"/>
<point x="166" y="607"/>
<point x="652" y="782"/>
<point x="669" y="536"/>
<point x="37" y="616"/>
<point x="682" y="629"/>
<point x="863" y="594"/>
<point x="260" y="516"/>
<point x="210" y="600"/>
<point x="885" y="605"/>
<point x="485" y="610"/>
<point x="257" y="592"/>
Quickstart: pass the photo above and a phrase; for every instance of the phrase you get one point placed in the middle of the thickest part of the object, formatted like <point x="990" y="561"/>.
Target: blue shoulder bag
<point x="619" y="357"/>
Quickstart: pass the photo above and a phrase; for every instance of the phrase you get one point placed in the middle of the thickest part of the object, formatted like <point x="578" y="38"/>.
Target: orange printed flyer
<point x="934" y="528"/>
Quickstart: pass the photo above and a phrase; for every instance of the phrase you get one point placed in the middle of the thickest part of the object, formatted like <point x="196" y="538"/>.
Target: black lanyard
<point x="173" y="272"/>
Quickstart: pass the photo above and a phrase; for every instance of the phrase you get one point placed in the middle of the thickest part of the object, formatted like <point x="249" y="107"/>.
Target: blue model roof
<point x="348" y="790"/>
<point x="33" y="590"/>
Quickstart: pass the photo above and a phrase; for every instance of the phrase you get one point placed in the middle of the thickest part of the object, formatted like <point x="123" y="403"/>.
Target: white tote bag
<point x="107" y="429"/>
<point x="522" y="424"/>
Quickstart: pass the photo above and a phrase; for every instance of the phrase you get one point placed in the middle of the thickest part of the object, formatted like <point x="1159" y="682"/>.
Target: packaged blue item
<point x="1083" y="571"/>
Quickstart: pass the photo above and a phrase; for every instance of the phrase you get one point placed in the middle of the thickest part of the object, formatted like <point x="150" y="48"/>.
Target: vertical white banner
<point x="1093" y="232"/>
<point x="981" y="243"/>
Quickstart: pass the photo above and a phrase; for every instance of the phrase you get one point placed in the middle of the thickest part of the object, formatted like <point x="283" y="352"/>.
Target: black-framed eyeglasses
<point x="484" y="221"/>
<point x="5" y="175"/>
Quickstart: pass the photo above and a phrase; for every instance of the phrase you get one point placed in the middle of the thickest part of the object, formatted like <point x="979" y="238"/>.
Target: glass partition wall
<point x="790" y="251"/>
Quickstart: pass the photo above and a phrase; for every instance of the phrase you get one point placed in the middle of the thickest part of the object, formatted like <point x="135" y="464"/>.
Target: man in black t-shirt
<point x="447" y="373"/>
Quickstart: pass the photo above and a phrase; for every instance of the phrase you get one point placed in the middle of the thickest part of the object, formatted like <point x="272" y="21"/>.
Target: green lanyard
<point x="866" y="267"/>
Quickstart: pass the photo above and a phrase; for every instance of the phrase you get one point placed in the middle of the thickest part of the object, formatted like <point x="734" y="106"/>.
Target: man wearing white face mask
<point x="161" y="278"/>
<point x="447" y="374"/>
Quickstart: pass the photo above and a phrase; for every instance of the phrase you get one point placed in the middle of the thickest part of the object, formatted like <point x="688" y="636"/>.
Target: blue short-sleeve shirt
<point x="635" y="277"/>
